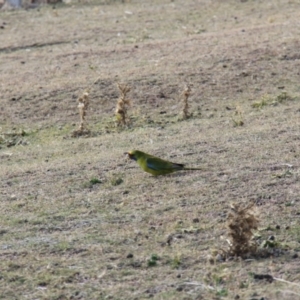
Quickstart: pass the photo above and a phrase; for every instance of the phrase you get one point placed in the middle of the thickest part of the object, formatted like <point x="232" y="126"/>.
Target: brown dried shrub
<point x="186" y="94"/>
<point x="83" y="104"/>
<point x="122" y="105"/>
<point x="242" y="221"/>
<point x="238" y="118"/>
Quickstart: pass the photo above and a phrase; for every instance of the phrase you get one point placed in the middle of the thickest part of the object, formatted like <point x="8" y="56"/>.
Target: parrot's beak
<point x="130" y="155"/>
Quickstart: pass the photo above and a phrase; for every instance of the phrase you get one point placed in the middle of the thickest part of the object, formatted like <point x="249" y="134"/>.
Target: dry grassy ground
<point x="79" y="221"/>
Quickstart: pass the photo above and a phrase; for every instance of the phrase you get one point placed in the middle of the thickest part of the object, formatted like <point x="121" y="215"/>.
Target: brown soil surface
<point x="78" y="220"/>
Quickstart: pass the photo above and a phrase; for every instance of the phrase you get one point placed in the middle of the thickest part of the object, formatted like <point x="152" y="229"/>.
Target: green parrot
<point x="154" y="165"/>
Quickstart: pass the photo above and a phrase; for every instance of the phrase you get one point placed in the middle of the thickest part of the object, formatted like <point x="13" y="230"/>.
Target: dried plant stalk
<point x="122" y="104"/>
<point x="241" y="223"/>
<point x="83" y="104"/>
<point x="186" y="94"/>
<point x="238" y="118"/>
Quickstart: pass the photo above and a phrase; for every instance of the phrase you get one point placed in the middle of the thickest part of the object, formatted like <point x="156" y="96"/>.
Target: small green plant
<point x="269" y="244"/>
<point x="222" y="293"/>
<point x="284" y="96"/>
<point x="95" y="181"/>
<point x="152" y="262"/>
<point x="62" y="246"/>
<point x="176" y="262"/>
<point x="92" y="182"/>
<point x="264" y="100"/>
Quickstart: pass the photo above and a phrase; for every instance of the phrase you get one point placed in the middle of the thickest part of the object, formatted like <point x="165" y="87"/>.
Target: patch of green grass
<point x="15" y="137"/>
<point x="272" y="100"/>
<point x="92" y="182"/>
<point x="263" y="101"/>
<point x="283" y="97"/>
<point x="63" y="246"/>
<point x="95" y="181"/>
<point x="222" y="293"/>
<point x="176" y="262"/>
<point x="17" y="279"/>
<point x="152" y="261"/>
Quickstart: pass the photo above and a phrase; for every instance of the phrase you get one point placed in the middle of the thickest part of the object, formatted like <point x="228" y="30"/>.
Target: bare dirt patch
<point x="79" y="221"/>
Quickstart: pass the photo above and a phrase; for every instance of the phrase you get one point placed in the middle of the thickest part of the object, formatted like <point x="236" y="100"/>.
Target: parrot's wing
<point x="159" y="165"/>
<point x="153" y="164"/>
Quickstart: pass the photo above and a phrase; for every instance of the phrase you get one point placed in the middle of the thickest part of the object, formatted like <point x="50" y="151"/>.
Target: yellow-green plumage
<point x="154" y="165"/>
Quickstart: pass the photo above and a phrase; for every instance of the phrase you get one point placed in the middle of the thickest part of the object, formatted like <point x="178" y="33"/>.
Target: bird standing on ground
<point x="154" y="165"/>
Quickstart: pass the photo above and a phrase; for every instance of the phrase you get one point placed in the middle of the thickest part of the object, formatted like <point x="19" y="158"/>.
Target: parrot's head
<point x="132" y="154"/>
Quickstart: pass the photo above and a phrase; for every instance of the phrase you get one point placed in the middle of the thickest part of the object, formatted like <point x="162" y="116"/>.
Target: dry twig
<point x="186" y="94"/>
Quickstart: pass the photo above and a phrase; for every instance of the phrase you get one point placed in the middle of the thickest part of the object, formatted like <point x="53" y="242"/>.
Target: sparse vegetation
<point x="13" y="138"/>
<point x="116" y="180"/>
<point x="83" y="104"/>
<point x="80" y="222"/>
<point x="152" y="262"/>
<point x="122" y="105"/>
<point x="264" y="100"/>
<point x="92" y="182"/>
<point x="186" y="94"/>
<point x="271" y="100"/>
<point x="242" y="221"/>
<point x="238" y="118"/>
